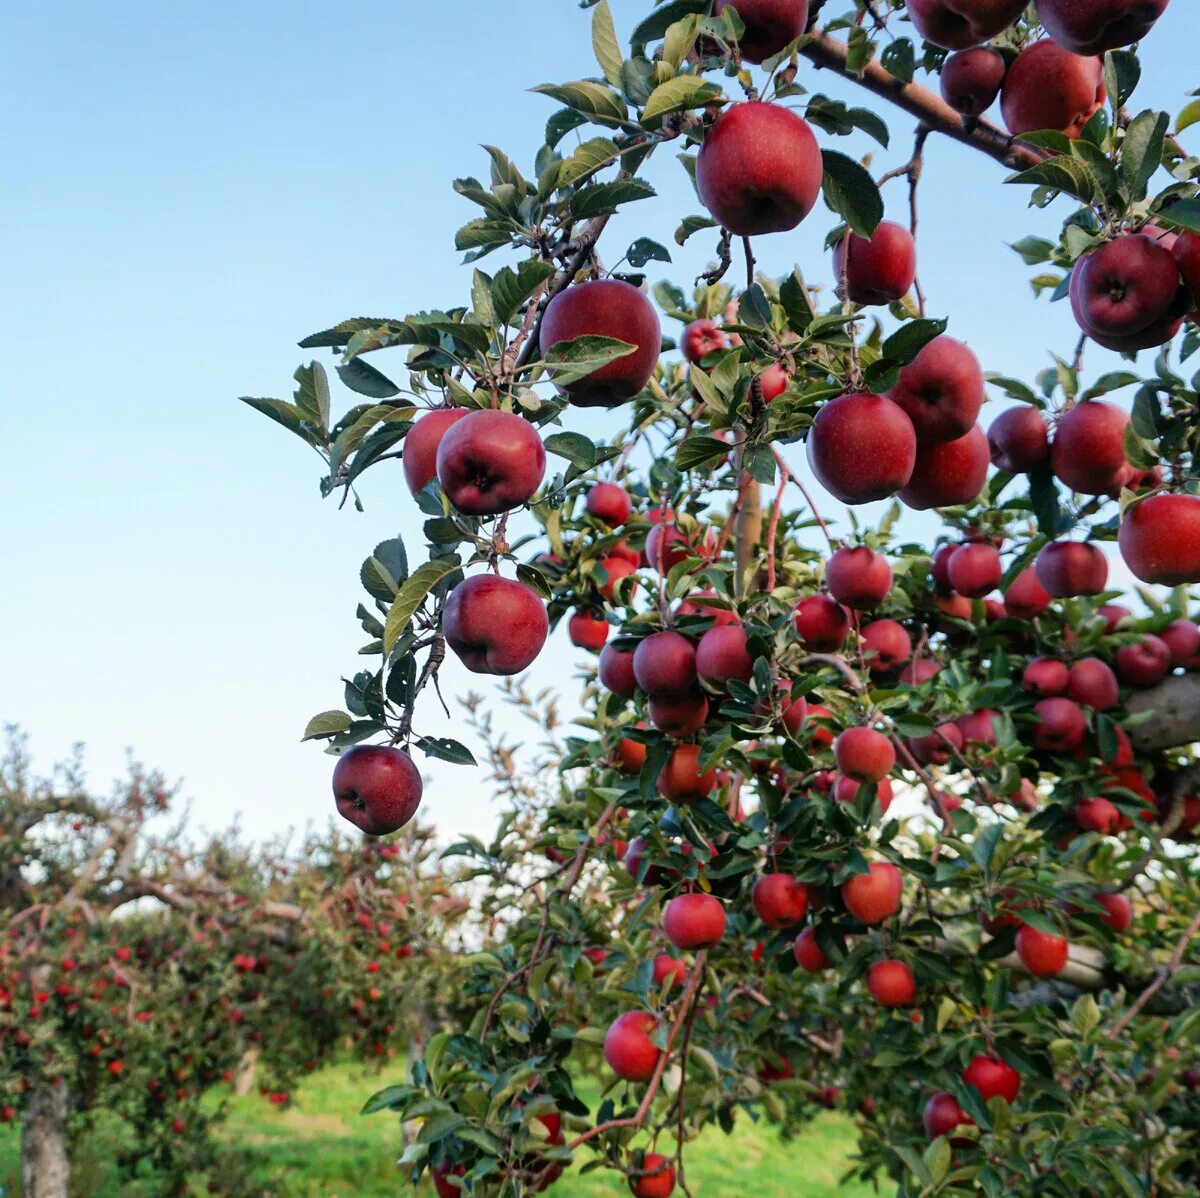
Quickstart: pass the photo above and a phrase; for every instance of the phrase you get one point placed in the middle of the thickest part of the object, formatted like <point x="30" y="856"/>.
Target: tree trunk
<point x="247" y="1073"/>
<point x="45" y="1168"/>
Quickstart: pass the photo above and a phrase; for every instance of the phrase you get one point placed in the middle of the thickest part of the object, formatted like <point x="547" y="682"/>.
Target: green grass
<point x="321" y="1148"/>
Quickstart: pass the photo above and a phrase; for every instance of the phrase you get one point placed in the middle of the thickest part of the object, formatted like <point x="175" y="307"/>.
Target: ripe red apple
<point x="1046" y="676"/>
<point x="886" y="646"/>
<point x="605" y="308"/>
<point x="681" y="780"/>
<point x="701" y="338"/>
<point x="939" y="569"/>
<point x="1019" y="440"/>
<point x="959" y="24"/>
<point x="1182" y="637"/>
<point x="657" y="1176"/>
<point x="615" y="568"/>
<point x="490" y="462"/>
<point x="1114" y="615"/>
<point x="666" y="966"/>
<point x="377" y="788"/>
<point x="1092" y="683"/>
<point x="942" y="1115"/>
<point x="808" y="952"/>
<point x="1098" y="815"/>
<point x="1088" y="453"/>
<point x="859" y="577"/>
<point x="678" y="715"/>
<point x="920" y="671"/>
<point x="1026" y="599"/>
<point x="771" y="25"/>
<point x="780" y="901"/>
<point x="759" y="170"/>
<point x="721" y="656"/>
<point x="1186" y="249"/>
<point x="845" y="790"/>
<point x="878" y="269"/>
<point x="609" y="503"/>
<point x="1094" y="26"/>
<point x="862" y="447"/>
<point x="948" y="474"/>
<point x="941" y="391"/>
<point x="773" y="382"/>
<point x="1060" y="725"/>
<point x="1070" y="568"/>
<point x="494" y="625"/>
<point x="864" y="754"/>
<point x="631" y="754"/>
<point x="873" y="897"/>
<point x="616" y="672"/>
<point x="1049" y="88"/>
<point x="421" y="445"/>
<point x="664" y="663"/>
<point x="667" y="546"/>
<point x="821" y="623"/>
<point x="971" y="80"/>
<point x="1042" y="953"/>
<point x="791" y="712"/>
<point x="993" y="1078"/>
<point x="700" y="603"/>
<point x="939" y="746"/>
<point x="1160" y="539"/>
<point x="1144" y="663"/>
<point x="587" y="631"/>
<point x="975" y="569"/>
<point x="1118" y="912"/>
<point x="891" y="983"/>
<point x="441" y="1186"/>
<point x="694" y="921"/>
<point x="628" y="1049"/>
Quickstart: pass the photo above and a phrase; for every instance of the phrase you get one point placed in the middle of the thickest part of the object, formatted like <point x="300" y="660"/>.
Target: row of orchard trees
<point x="902" y="827"/>
<point x="144" y="974"/>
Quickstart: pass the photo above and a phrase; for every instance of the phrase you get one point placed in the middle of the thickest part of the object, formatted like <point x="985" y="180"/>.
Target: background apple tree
<point x="708" y="902"/>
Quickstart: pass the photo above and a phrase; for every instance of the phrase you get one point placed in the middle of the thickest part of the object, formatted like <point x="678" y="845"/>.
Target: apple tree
<point x="879" y="818"/>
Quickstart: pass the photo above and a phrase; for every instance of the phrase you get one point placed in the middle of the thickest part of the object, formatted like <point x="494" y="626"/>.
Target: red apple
<point x="920" y="671"/>
<point x="1094" y="26"/>
<point x="860" y="578"/>
<point x="667" y="546"/>
<point x="666" y="966"/>
<point x="1118" y="912"/>
<point x="628" y="1049"/>
<point x="721" y="656"/>
<point x="1098" y="815"/>
<point x="1046" y="676"/>
<point x="616" y="672"/>
<point x="701" y="338"/>
<point x="979" y="727"/>
<point x="615" y="568"/>
<point x="694" y="921"/>
<point x="681" y="780"/>
<point x="1160" y="539"/>
<point x="1145" y="663"/>
<point x="959" y="24"/>
<point x="441" y="1186"/>
<point x="939" y="746"/>
<point x="1026" y="598"/>
<point x="1182" y="637"/>
<point x="1019" y="440"/>
<point x="1070" y="568"/>
<point x="609" y="503"/>
<point x="845" y="790"/>
<point x="1060" y="725"/>
<point x="1049" y="88"/>
<point x="377" y="788"/>
<point x="1114" y="615"/>
<point x="773" y="382"/>
<point x="948" y="474"/>
<point x="971" y="80"/>
<point x="942" y="1115"/>
<point x="664" y="663"/>
<point x="656" y="1179"/>
<point x="886" y="646"/>
<point x="1042" y="953"/>
<point x="1092" y="683"/>
<point x="939" y="569"/>
<point x="771" y="25"/>
<point x="780" y="901"/>
<point x="490" y="462"/>
<point x="631" y="755"/>
<point x="808" y="952"/>
<point x="873" y="897"/>
<point x="993" y="1078"/>
<point x="821" y="623"/>
<point x="678" y="715"/>
<point x="891" y="983"/>
<point x="975" y="569"/>
<point x="864" y="754"/>
<point x="494" y="625"/>
<point x="941" y="391"/>
<point x="587" y="631"/>
<point x="421" y="445"/>
<point x="878" y="269"/>
<point x="1088" y="453"/>
<point x="862" y="447"/>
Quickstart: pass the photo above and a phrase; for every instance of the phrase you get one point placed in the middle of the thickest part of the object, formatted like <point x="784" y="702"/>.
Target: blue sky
<point x="190" y="190"/>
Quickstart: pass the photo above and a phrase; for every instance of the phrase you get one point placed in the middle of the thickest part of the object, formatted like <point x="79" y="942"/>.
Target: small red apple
<point x="780" y="901"/>
<point x="421" y="445"/>
<point x="377" y="788"/>
<point x="1042" y="953"/>
<point x="878" y="269"/>
<point x="891" y="983"/>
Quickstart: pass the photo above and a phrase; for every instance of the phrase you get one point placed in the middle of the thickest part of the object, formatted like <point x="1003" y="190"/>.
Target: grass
<point x="321" y="1148"/>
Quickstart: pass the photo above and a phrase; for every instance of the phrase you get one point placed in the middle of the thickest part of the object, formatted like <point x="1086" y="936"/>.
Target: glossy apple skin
<point x="878" y="269"/>
<point x="721" y="656"/>
<point x="1042" y="953"/>
<point x="780" y="901"/>
<point x="1182" y="637"/>
<point x="666" y="547"/>
<point x="864" y="754"/>
<point x="490" y="462"/>
<point x="770" y="25"/>
<point x="891" y="983"/>
<point x="1160" y="539"/>
<point x="1118" y="912"/>
<point x="631" y="755"/>
<point x="587" y="631"/>
<point x="948" y="474"/>
<point x="666" y="966"/>
<point x="978" y="727"/>
<point x="1145" y="663"/>
<point x="664" y="663"/>
<point x="495" y="625"/>
<point x="960" y="24"/>
<point x="759" y="170"/>
<point x="971" y="80"/>
<point x="975" y="569"/>
<point x="377" y="788"/>
<point x="681" y="780"/>
<point x="678" y="715"/>
<point x="862" y="447"/>
<point x="657" y="1178"/>
<point x="694" y="921"/>
<point x="1088" y="454"/>
<point x="1094" y="26"/>
<point x="701" y="338"/>
<point x="939" y="746"/>
<point x="1019" y="440"/>
<point x="628" y="1049"/>
<point x="1068" y="569"/>
<point x="1092" y="683"/>
<point x="993" y="1078"/>
<point x="821" y="623"/>
<point x="605" y="308"/>
<point x="1026" y="598"/>
<point x="1061" y="725"/>
<point x="1049" y="88"/>
<point x="610" y="504"/>
<point x="421" y="446"/>
<point x="886" y="645"/>
<point x="616" y="672"/>
<point x="941" y="391"/>
<point x="942" y="1115"/>
<point x="808" y="952"/>
<point x="615" y="568"/>
<point x="858" y="577"/>
<point x="872" y="898"/>
<point x="1046" y="677"/>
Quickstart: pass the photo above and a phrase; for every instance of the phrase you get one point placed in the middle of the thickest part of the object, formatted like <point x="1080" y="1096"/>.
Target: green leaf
<point x="645" y="250"/>
<point x="599" y="199"/>
<point x="900" y="59"/>
<point x="1189" y="114"/>
<point x="1122" y="71"/>
<point x="699" y="451"/>
<point x="851" y="193"/>
<point x="797" y="304"/>
<point x="592" y="156"/>
<point x="445" y="749"/>
<point x="510" y="289"/>
<point x="680" y="94"/>
<point x="658" y="22"/>
<point x="692" y="224"/>
<point x="385" y="570"/>
<point x="412" y="595"/>
<point x="591" y="99"/>
<point x="340" y="334"/>
<point x="575" y="447"/>
<point x="1085" y="1015"/>
<point x="312" y="396"/>
<point x="362" y="377"/>
<point x="580" y="356"/>
<point x="937" y="1160"/>
<point x="389" y="1098"/>
<point x="1043" y="496"/>
<point x="283" y="413"/>
<point x="1141" y="151"/>
<point x="605" y="44"/>
<point x="328" y="723"/>
<point x="1064" y="172"/>
<point x="1184" y="214"/>
<point x="910" y="338"/>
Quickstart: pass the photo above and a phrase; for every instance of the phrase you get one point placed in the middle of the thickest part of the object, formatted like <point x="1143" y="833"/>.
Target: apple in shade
<point x="666" y="966"/>
<point x="656" y="1178"/>
<point x="790" y="712"/>
<point x="821" y="623"/>
<point x="609" y="503"/>
<point x="773" y="382"/>
<point x="878" y="269"/>
<point x="993" y="1078"/>
<point x="1071" y="568"/>
<point x="615" y="568"/>
<point x="616" y="672"/>
<point x="1042" y="953"/>
<point x="942" y="1115"/>
<point x="421" y="445"/>
<point x="1060" y="725"/>
<point x="771" y="25"/>
<point x="1094" y="26"/>
<point x="1114" y="615"/>
<point x="958" y="24"/>
<point x="1046" y="676"/>
<point x="873" y="897"/>
<point x="605" y="308"/>
<point x="1144" y="663"/>
<point x="858" y="577"/>
<point x="886" y="646"/>
<point x="1047" y="87"/>
<point x="975" y="569"/>
<point x="628" y="1048"/>
<point x="939" y="746"/>
<point x="721" y="656"/>
<point x="971" y="79"/>
<point x="1186" y="249"/>
<point x="701" y="338"/>
<point x="759" y="170"/>
<point x="631" y="754"/>
<point x="948" y="474"/>
<point x="1182" y="637"/>
<point x="817" y="725"/>
<point x="1160" y="539"/>
<point x="1127" y="294"/>
<point x="1026" y="598"/>
<point x="664" y="663"/>
<point x="845" y="790"/>
<point x="979" y="727"/>
<point x="694" y="921"/>
<point x="1091" y="682"/>
<point x="678" y="715"/>
<point x="864" y="754"/>
<point x="494" y="625"/>
<point x="891" y="983"/>
<point x="377" y="788"/>
<point x="1098" y="815"/>
<point x="939" y="569"/>
<point x="490" y="462"/>
<point x="862" y="447"/>
<point x="1019" y="440"/>
<point x="921" y="671"/>
<point x="808" y="952"/>
<point x="1118" y="912"/>
<point x="587" y="631"/>
<point x="780" y="901"/>
<point x="442" y="1187"/>
<point x="941" y="391"/>
<point x="681" y="780"/>
<point x="667" y="546"/>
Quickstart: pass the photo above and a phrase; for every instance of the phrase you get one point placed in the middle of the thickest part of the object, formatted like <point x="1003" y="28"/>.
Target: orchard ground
<point x="321" y="1148"/>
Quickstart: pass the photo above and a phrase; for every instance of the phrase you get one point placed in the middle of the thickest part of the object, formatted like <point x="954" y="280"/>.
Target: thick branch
<point x="1174" y="707"/>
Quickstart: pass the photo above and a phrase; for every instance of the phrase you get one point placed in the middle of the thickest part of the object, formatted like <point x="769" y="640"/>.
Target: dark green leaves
<point x="851" y="193"/>
<point x="601" y="199"/>
<point x="645" y="250"/>
<point x="575" y="447"/>
<point x="697" y="452"/>
<point x="412" y="594"/>
<point x="1141" y="151"/>
<point x="576" y="359"/>
<point x="1122" y="71"/>
<point x="680" y="94"/>
<point x="510" y="289"/>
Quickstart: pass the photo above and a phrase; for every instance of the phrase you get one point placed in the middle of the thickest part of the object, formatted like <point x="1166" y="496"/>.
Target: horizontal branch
<point x="1174" y="719"/>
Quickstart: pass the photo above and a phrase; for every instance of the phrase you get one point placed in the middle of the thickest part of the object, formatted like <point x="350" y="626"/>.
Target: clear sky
<point x="190" y="189"/>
